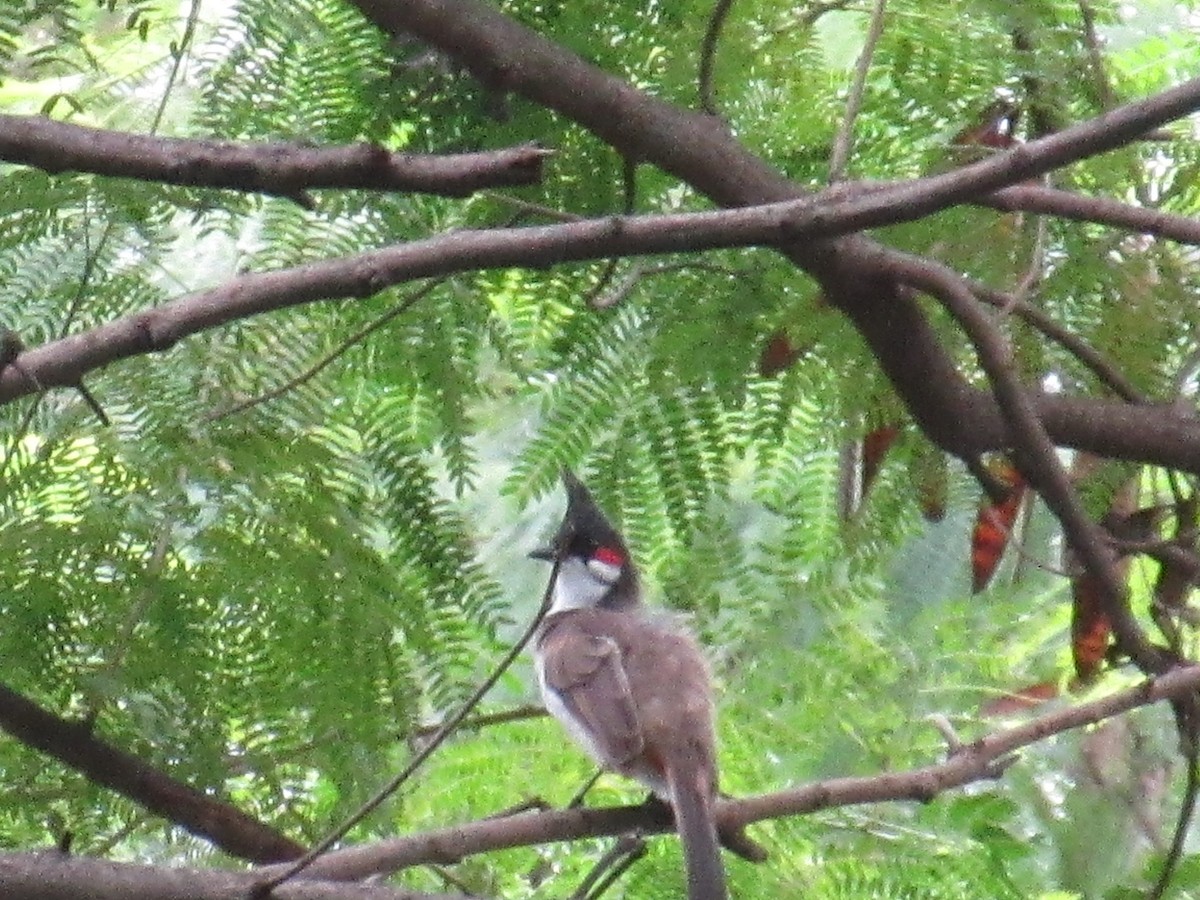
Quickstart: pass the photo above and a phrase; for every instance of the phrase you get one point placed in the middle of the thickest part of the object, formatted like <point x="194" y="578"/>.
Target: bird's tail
<point x="692" y="801"/>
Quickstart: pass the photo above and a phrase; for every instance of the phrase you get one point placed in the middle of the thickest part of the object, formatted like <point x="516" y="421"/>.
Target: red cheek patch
<point x="609" y="557"/>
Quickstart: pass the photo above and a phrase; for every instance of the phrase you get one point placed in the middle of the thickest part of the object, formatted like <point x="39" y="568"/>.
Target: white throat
<point x="581" y="585"/>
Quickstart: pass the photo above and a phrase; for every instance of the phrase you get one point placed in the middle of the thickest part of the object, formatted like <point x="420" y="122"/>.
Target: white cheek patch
<point x="577" y="587"/>
<point x="603" y="571"/>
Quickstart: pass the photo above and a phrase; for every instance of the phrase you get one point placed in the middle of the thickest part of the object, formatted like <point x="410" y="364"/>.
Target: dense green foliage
<point x="266" y="603"/>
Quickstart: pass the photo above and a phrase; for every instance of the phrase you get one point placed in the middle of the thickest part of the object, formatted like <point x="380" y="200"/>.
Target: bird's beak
<point x="547" y="553"/>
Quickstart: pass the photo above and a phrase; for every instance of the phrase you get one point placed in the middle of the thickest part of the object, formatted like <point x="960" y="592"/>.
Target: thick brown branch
<point x="962" y="419"/>
<point x="74" y="745"/>
<point x="853" y="271"/>
<point x="698" y="148"/>
<point x="979" y="760"/>
<point x="1069" y="205"/>
<point x="51" y="875"/>
<point x="283" y="169"/>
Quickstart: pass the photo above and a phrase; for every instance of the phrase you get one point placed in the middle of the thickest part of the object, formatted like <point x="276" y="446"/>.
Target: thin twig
<point x="312" y="371"/>
<point x="844" y="140"/>
<point x="517" y="714"/>
<point x="1037" y="262"/>
<point x="577" y="799"/>
<point x="1041" y="114"/>
<point x="1188" y="369"/>
<point x="533" y="209"/>
<point x="518" y="808"/>
<point x="617" y="871"/>
<point x="629" y="201"/>
<point x="1100" y="365"/>
<point x="627" y="849"/>
<point x="708" y="51"/>
<point x="1013" y="541"/>
<point x="106" y="846"/>
<point x="146" y="593"/>
<point x="449" y="879"/>
<point x="592" y="298"/>
<point x="619" y="292"/>
<point x="809" y="16"/>
<point x="264" y="888"/>
<point x="1187" y="807"/>
<point x="1104" y="93"/>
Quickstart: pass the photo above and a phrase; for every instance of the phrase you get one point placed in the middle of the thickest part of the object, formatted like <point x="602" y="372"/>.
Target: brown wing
<point x="583" y="666"/>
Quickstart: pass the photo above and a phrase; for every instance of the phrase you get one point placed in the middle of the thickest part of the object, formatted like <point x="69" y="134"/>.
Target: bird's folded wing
<point x="584" y="666"/>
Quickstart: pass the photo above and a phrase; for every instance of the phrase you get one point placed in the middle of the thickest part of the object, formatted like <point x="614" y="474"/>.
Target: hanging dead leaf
<point x="931" y="476"/>
<point x="1021" y="700"/>
<point x="1091" y="630"/>
<point x="777" y="355"/>
<point x="874" y="448"/>
<point x="993" y="526"/>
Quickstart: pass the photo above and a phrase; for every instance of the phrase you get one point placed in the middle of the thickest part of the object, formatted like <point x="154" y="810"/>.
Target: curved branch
<point x="695" y="147"/>
<point x="1105" y="95"/>
<point x="1101" y="366"/>
<point x="960" y="418"/>
<point x="1036" y="456"/>
<point x="203" y="815"/>
<point x="854" y="271"/>
<point x="978" y="760"/>
<point x="294" y="870"/>
<point x="343" y="346"/>
<point x="286" y="170"/>
<point x="708" y="52"/>
<point x="1045" y="200"/>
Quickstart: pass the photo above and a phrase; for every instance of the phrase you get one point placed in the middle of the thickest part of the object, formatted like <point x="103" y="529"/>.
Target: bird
<point x="631" y="685"/>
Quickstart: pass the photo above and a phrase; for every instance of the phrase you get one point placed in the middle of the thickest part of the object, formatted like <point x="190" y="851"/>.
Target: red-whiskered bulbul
<point x="632" y="686"/>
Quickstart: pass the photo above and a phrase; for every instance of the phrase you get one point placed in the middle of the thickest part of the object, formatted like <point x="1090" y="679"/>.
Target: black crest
<point x="584" y="527"/>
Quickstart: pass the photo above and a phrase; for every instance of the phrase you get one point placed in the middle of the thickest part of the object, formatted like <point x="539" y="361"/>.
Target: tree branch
<point x="343" y="346"/>
<point x="1101" y="210"/>
<point x="844" y="139"/>
<point x="1105" y="370"/>
<point x="1105" y="95"/>
<point x="853" y="272"/>
<point x="695" y="147"/>
<point x="432" y="743"/>
<point x="708" y="52"/>
<point x="1036" y="457"/>
<point x="286" y="170"/>
<point x="974" y="761"/>
<point x="486" y="720"/>
<point x="52" y="875"/>
<point x="962" y="419"/>
<point x="203" y="815"/>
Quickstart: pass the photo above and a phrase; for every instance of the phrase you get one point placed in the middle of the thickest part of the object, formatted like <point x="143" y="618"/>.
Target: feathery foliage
<point x="267" y="599"/>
